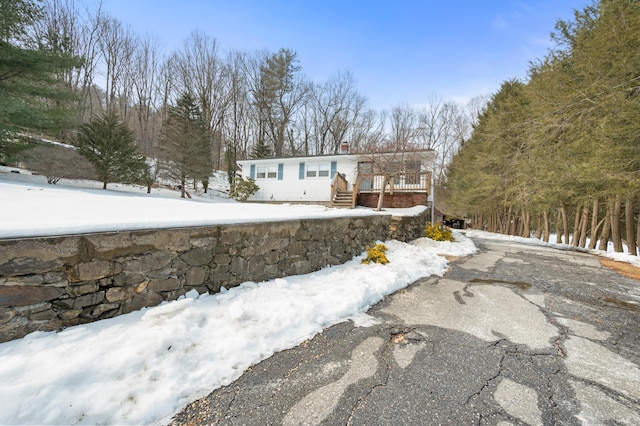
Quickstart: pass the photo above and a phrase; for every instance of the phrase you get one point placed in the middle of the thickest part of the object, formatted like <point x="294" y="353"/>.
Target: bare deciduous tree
<point x="117" y="45"/>
<point x="53" y="162"/>
<point x="201" y="71"/>
<point x="338" y="107"/>
<point x="74" y="31"/>
<point x="238" y="131"/>
<point x="442" y="127"/>
<point x="403" y="128"/>
<point x="146" y="96"/>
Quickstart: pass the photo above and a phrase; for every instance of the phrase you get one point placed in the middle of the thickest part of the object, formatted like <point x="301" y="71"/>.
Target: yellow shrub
<point x="376" y="255"/>
<point x="438" y="232"/>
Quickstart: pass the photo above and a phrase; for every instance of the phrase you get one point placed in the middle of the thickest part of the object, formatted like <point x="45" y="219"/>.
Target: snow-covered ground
<point x="31" y="207"/>
<point x="143" y="367"/>
<point x="620" y="257"/>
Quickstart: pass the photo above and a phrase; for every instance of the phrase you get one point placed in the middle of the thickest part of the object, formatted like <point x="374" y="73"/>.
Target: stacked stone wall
<point x="50" y="283"/>
<point x="408" y="228"/>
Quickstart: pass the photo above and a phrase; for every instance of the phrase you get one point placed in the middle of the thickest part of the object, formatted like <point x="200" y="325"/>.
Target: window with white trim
<point x="269" y="171"/>
<point x="318" y="170"/>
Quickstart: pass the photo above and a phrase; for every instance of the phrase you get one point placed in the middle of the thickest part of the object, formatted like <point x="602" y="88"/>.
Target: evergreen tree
<point x="185" y="151"/>
<point x="110" y="146"/>
<point x="568" y="139"/>
<point x="261" y="150"/>
<point x="280" y="93"/>
<point x="32" y="97"/>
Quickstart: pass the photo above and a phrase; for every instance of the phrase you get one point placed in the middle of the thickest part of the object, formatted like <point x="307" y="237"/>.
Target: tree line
<point x="239" y="104"/>
<point x="561" y="151"/>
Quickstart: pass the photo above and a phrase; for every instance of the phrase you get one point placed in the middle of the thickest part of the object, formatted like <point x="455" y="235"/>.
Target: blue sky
<point x="399" y="51"/>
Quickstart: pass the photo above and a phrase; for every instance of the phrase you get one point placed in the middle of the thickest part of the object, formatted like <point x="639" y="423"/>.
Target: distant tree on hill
<point x="110" y="146"/>
<point x="184" y="151"/>
<point x="279" y="93"/>
<point x="261" y="150"/>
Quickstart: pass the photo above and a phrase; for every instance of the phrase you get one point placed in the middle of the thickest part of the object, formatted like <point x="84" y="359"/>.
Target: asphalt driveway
<point x="516" y="334"/>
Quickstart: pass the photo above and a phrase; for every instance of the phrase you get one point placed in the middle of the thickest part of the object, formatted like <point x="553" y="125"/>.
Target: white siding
<point x="293" y="189"/>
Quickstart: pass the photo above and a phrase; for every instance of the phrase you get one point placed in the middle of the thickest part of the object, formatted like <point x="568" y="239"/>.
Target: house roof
<point x="327" y="156"/>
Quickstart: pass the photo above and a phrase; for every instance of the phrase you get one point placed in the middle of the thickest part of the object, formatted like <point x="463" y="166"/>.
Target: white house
<point x="344" y="180"/>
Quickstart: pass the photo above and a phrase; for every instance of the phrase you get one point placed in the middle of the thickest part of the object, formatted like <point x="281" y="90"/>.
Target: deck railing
<point x="409" y="182"/>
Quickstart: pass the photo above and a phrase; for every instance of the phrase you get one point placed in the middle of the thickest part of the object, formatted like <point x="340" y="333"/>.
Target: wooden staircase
<point x="343" y="199"/>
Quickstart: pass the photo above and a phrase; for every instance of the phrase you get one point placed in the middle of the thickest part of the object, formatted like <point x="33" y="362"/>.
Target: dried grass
<point x="622" y="268"/>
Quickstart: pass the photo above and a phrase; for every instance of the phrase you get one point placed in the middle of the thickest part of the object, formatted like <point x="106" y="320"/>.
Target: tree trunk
<point x="526" y="224"/>
<point x="606" y="232"/>
<point x="584" y="222"/>
<point x="565" y="224"/>
<point x="546" y="226"/>
<point x="575" y="240"/>
<point x="381" y="196"/>
<point x="104" y="185"/>
<point x="538" y="227"/>
<point x="594" y="225"/>
<point x="638" y="234"/>
<point x="558" y="235"/>
<point x="615" y="211"/>
<point x="628" y="219"/>
<point x="511" y="223"/>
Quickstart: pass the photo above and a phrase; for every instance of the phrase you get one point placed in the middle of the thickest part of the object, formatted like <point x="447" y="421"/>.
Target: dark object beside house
<point x="455" y="223"/>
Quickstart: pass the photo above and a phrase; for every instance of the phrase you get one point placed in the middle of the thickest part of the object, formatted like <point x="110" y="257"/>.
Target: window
<point x="323" y="170"/>
<point x="267" y="172"/>
<point x="318" y="170"/>
<point x="412" y="172"/>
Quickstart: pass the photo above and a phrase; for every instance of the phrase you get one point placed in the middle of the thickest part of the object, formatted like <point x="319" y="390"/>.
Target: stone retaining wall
<point x="408" y="228"/>
<point x="53" y="282"/>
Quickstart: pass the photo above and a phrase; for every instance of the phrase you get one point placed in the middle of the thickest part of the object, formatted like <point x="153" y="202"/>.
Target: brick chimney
<point x="344" y="148"/>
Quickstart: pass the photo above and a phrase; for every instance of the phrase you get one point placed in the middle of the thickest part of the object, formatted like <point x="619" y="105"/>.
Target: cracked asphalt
<point x="513" y="335"/>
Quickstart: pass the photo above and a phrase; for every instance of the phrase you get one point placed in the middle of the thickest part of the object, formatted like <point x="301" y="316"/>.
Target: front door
<point x="365" y="171"/>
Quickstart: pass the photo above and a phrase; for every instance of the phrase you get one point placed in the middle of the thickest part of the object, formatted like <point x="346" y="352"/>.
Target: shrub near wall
<point x="52" y="282"/>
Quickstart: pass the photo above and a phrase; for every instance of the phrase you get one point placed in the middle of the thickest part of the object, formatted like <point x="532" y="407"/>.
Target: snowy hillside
<point x="31" y="207"/>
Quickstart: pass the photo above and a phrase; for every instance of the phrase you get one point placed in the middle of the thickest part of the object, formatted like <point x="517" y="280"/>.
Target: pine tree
<point x="570" y="140"/>
<point x="279" y="94"/>
<point x="109" y="145"/>
<point x="32" y="97"/>
<point x="185" y="151"/>
<point x="261" y="150"/>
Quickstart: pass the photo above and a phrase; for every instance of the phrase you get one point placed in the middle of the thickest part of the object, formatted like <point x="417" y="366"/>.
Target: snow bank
<point x="620" y="257"/>
<point x="145" y="366"/>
